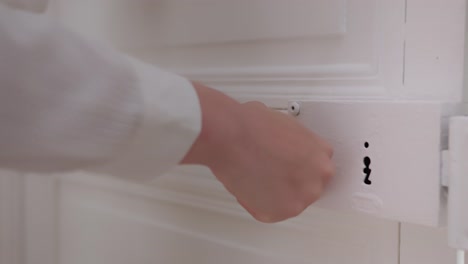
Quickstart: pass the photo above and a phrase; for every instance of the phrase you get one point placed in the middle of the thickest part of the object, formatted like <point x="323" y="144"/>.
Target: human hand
<point x="273" y="165"/>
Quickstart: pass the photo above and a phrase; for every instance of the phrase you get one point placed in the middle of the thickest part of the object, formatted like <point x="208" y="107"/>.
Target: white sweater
<point x="67" y="103"/>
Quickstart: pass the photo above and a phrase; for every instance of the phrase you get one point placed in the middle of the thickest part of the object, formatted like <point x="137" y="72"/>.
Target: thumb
<point x="259" y="217"/>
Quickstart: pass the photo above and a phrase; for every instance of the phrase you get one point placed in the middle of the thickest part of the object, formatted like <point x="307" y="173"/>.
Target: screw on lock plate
<point x="294" y="108"/>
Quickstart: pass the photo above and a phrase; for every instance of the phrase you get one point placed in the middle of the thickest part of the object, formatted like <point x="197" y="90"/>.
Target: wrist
<point x="220" y="127"/>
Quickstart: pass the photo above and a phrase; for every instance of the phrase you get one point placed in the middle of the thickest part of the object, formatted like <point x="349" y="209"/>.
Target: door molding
<point x="28" y="219"/>
<point x="41" y="219"/>
<point x="11" y="217"/>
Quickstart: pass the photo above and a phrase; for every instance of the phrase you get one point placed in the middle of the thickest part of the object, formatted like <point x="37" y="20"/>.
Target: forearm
<point x="65" y="103"/>
<point x="70" y="103"/>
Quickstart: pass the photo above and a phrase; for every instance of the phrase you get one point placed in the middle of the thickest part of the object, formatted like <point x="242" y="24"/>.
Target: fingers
<point x="328" y="149"/>
<point x="285" y="207"/>
<point x="288" y="209"/>
<point x="261" y="217"/>
<point x="327" y="170"/>
<point x="294" y="161"/>
<point x="324" y="145"/>
<point x="314" y="189"/>
<point x="255" y="104"/>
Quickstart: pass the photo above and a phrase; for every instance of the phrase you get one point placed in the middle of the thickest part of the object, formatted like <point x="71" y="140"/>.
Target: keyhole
<point x="367" y="170"/>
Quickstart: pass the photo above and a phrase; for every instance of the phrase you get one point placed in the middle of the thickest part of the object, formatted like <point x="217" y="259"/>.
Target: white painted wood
<point x="424" y="245"/>
<point x="11" y="218"/>
<point x="182" y="22"/>
<point x="360" y="55"/>
<point x="359" y="48"/>
<point x="403" y="146"/>
<point x="106" y="221"/>
<point x="356" y="49"/>
<point x="434" y="49"/>
<point x="41" y="217"/>
<point x="28" y="219"/>
<point x="458" y="183"/>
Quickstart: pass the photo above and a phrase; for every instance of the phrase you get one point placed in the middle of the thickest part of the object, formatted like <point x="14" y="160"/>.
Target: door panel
<point x="107" y="221"/>
<point x="335" y="48"/>
<point x="181" y="22"/>
<point x="265" y="50"/>
<point x="317" y="47"/>
<point x="11" y="198"/>
<point x="425" y="245"/>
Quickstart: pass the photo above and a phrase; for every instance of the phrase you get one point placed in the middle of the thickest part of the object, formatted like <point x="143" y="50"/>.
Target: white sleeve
<point x="30" y="5"/>
<point x="67" y="103"/>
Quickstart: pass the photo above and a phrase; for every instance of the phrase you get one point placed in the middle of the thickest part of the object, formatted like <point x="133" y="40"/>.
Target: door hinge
<point x="454" y="175"/>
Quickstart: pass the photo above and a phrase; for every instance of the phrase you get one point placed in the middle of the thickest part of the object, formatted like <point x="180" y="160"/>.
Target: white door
<point x="269" y="50"/>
